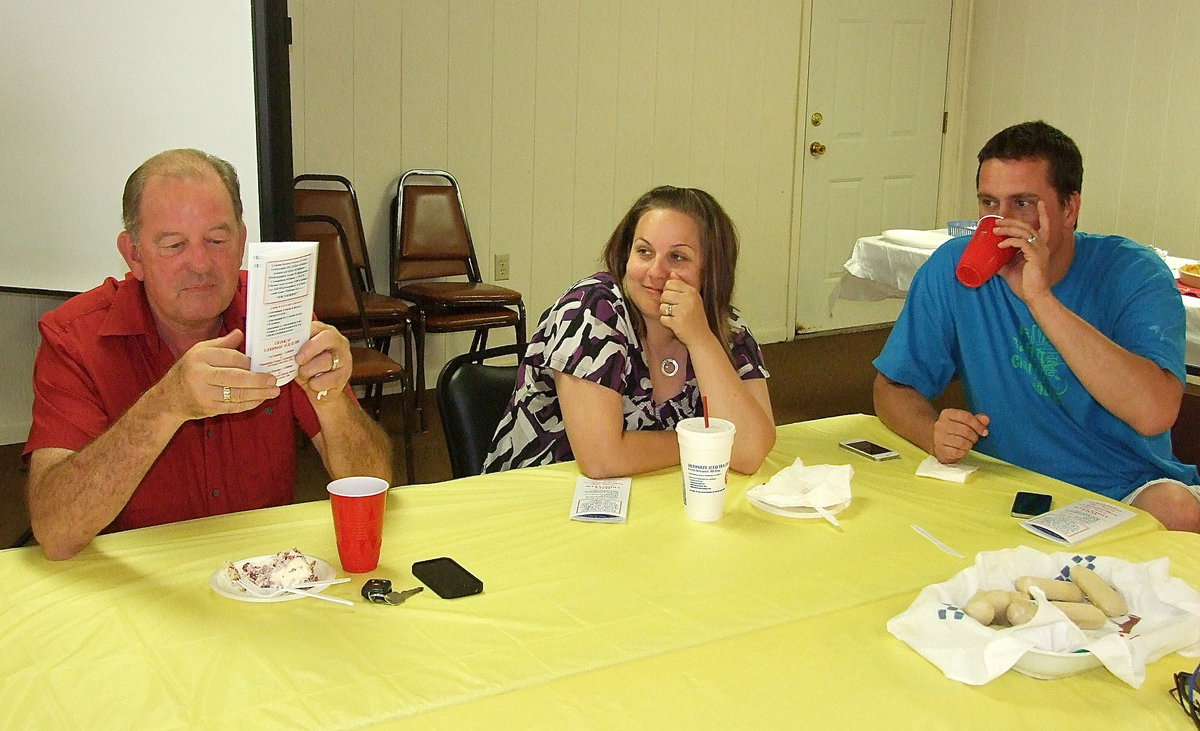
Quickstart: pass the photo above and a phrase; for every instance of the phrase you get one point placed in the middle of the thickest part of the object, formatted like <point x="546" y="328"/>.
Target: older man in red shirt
<point x="145" y="410"/>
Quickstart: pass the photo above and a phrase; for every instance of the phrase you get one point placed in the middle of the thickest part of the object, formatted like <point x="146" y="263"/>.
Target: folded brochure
<point x="1078" y="521"/>
<point x="601" y="501"/>
<point x="280" y="292"/>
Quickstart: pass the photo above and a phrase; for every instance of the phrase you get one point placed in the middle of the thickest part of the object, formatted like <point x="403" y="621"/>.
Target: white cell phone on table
<point x="869" y="449"/>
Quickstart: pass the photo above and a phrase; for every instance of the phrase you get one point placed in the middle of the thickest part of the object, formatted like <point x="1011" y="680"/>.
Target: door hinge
<point x="945" y="121"/>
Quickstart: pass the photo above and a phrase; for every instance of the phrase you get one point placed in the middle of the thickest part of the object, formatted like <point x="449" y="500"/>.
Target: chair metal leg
<point x="406" y="431"/>
<point x="377" y="401"/>
<point x="419" y="379"/>
<point x="22" y="539"/>
<point x="520" y="328"/>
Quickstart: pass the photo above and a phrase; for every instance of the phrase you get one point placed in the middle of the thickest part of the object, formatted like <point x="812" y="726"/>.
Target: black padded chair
<point x="471" y="399"/>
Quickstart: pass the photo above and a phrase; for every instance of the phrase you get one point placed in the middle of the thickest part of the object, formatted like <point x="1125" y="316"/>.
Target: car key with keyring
<point x="379" y="591"/>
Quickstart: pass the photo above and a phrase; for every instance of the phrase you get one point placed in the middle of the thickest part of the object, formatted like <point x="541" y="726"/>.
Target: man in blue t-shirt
<point x="1071" y="358"/>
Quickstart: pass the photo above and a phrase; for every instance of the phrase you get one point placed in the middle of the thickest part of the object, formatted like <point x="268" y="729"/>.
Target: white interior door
<point x="873" y="138"/>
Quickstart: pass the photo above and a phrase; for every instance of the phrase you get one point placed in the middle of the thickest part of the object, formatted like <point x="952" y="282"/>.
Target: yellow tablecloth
<point x="754" y="619"/>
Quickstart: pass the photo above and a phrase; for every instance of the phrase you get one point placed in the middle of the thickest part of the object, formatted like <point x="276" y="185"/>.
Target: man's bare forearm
<point x="1134" y="388"/>
<point x="352" y="443"/>
<point x="905" y="411"/>
<point x="73" y="495"/>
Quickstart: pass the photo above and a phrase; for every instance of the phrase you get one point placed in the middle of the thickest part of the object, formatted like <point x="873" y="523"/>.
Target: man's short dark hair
<point x="1039" y="141"/>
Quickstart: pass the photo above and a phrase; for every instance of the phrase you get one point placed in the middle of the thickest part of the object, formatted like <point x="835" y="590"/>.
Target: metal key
<point x="398" y="597"/>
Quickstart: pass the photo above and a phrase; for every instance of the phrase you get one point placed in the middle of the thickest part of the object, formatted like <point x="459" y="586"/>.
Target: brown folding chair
<point x="334" y="196"/>
<point x="431" y="240"/>
<point x="339" y="298"/>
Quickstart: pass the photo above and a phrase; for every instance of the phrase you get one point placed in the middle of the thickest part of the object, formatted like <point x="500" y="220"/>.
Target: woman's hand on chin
<point x="682" y="311"/>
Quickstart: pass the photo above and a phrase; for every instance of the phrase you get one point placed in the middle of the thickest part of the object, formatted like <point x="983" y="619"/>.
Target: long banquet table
<point x="753" y="620"/>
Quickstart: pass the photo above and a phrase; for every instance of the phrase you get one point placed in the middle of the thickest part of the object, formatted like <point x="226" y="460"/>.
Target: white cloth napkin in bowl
<point x="930" y="467"/>
<point x="965" y="650"/>
<point x="797" y="486"/>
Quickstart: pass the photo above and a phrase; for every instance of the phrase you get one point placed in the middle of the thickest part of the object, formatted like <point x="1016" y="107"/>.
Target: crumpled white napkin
<point x="965" y="650"/>
<point x="797" y="486"/>
<point x="930" y="467"/>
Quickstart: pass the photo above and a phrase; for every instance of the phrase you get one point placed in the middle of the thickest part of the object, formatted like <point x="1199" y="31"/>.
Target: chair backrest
<point x="472" y="397"/>
<point x="430" y="233"/>
<point x="339" y="291"/>
<point x="336" y="199"/>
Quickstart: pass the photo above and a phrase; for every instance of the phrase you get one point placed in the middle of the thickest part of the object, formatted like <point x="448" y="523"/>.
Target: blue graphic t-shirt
<point x="1042" y="418"/>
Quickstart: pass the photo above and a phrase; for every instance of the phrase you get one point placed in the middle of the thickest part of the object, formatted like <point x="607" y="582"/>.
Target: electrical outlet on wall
<point x="500" y="267"/>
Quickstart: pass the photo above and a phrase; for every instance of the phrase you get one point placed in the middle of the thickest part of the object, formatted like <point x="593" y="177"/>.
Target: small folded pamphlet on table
<point x="1077" y="522"/>
<point x="280" y="290"/>
<point x="601" y="501"/>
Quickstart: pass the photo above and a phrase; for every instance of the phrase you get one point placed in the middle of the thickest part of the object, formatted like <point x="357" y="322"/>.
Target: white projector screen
<point x="90" y="91"/>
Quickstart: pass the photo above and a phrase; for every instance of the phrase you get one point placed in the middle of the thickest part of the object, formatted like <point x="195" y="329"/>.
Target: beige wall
<point x="554" y="117"/>
<point x="548" y="114"/>
<point x="1120" y="78"/>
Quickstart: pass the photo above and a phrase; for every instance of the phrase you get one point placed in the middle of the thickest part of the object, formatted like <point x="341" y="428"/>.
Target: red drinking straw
<point x="704" y="405"/>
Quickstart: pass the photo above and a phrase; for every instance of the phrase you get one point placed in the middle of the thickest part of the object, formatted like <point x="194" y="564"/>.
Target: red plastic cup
<point x="358" y="504"/>
<point x="983" y="256"/>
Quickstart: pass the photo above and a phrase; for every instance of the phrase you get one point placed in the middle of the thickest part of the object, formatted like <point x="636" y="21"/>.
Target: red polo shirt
<point x="100" y="352"/>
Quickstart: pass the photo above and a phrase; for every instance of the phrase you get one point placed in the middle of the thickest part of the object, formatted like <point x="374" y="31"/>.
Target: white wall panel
<point x="1119" y="78"/>
<point x="555" y="116"/>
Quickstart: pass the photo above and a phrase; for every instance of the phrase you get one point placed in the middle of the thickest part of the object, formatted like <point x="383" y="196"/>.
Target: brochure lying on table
<point x="280" y="290"/>
<point x="601" y="501"/>
<point x="1078" y="521"/>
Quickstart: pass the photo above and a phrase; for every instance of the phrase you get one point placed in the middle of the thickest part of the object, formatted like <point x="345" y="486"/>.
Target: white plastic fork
<point x="266" y="593"/>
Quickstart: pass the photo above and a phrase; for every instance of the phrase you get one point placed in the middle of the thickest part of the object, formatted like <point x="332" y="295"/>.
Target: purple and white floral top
<point x="588" y="334"/>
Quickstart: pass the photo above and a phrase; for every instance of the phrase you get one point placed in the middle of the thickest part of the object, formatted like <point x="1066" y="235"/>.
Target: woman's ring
<point x="1031" y="239"/>
<point x="336" y="363"/>
<point x="670" y="310"/>
<point x="225" y="394"/>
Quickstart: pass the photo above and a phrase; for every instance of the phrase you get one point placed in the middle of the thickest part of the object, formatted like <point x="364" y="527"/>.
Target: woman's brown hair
<point x="718" y="245"/>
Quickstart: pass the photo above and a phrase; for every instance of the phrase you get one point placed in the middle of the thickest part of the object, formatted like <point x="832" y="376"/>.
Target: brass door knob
<point x="816" y="149"/>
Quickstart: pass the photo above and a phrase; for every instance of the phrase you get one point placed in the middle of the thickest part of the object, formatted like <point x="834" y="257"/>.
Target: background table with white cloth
<point x="879" y="268"/>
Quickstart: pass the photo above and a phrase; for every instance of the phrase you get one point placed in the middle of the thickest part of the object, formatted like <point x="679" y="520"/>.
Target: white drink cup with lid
<point x="704" y="458"/>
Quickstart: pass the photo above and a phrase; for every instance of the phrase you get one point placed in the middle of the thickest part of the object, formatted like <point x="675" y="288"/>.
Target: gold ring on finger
<point x="225" y="395"/>
<point x="337" y="363"/>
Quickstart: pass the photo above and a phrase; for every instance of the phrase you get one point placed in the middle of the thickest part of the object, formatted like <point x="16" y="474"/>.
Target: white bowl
<point x="1047" y="665"/>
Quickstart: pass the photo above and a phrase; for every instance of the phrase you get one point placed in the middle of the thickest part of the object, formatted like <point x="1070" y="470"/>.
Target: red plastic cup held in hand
<point x="358" y="505"/>
<point x="983" y="256"/>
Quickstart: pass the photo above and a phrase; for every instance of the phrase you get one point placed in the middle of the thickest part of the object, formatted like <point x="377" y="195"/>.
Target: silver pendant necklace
<point x="669" y="367"/>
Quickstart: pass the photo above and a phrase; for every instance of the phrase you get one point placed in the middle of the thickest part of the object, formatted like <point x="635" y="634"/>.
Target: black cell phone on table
<point x="447" y="578"/>
<point x="1029" y="504"/>
<point x="869" y="449"/>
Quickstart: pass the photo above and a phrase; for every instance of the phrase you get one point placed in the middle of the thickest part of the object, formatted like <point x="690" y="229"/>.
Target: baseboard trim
<point x="844" y="330"/>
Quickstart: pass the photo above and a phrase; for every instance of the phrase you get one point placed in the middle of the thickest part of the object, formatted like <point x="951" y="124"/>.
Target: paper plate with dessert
<point x="283" y="570"/>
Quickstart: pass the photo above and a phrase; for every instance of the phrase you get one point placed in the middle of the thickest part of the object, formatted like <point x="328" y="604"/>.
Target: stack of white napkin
<point x="930" y="467"/>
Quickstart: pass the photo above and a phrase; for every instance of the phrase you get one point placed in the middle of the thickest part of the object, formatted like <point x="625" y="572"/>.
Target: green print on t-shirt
<point x="1038" y="358"/>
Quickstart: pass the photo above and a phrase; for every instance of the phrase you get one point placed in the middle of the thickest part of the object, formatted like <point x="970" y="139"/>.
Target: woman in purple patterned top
<point x="625" y="354"/>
